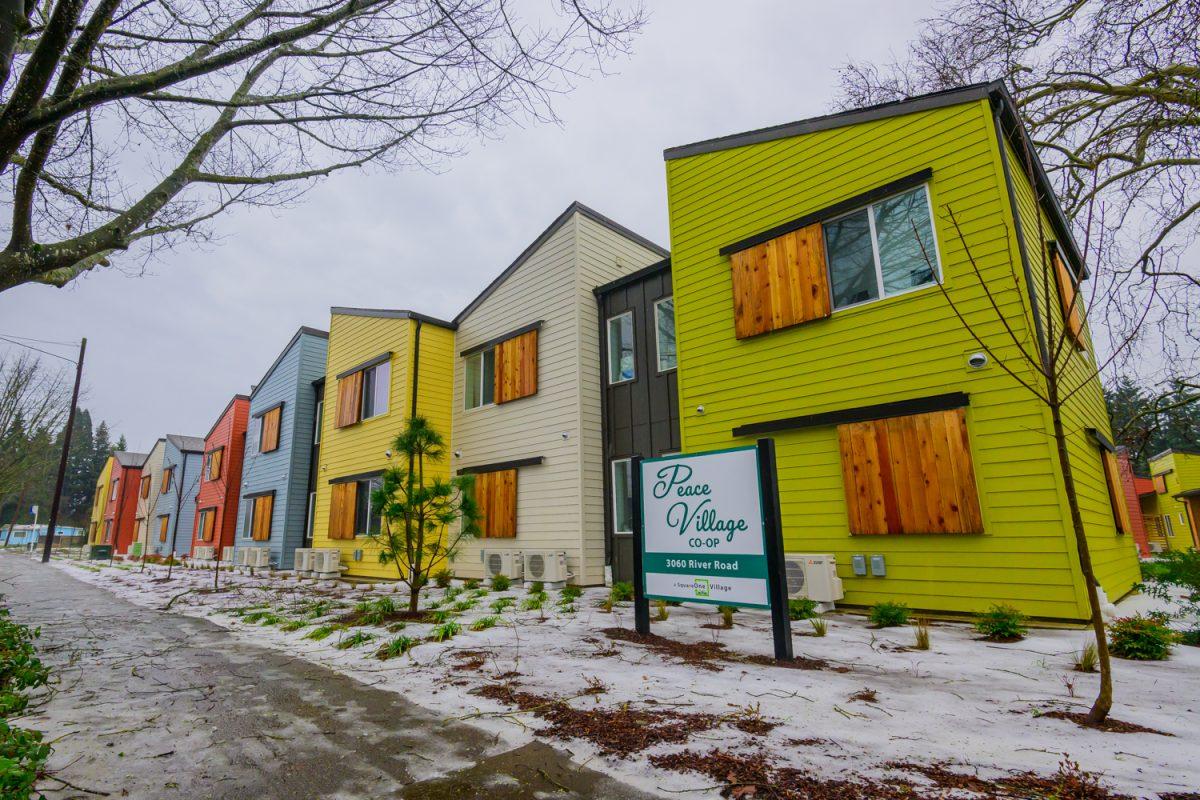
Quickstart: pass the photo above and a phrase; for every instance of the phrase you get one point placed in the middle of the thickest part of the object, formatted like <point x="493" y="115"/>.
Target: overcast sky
<point x="167" y="350"/>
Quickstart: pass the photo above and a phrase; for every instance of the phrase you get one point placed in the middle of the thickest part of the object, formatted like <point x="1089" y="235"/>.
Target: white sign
<point x="703" y="536"/>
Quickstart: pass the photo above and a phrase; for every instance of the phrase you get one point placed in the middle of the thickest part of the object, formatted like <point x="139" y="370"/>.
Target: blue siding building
<point x="175" y="509"/>
<point x="287" y="391"/>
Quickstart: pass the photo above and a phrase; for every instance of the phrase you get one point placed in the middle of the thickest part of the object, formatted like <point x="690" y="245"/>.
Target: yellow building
<point x="1172" y="512"/>
<point x="383" y="366"/>
<point x="99" y="502"/>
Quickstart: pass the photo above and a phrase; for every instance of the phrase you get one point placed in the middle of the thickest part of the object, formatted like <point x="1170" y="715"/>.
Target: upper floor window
<point x="362" y="391"/>
<point x="620" y="348"/>
<point x="376" y="385"/>
<point x="884" y="249"/>
<point x="317" y="422"/>
<point x="481" y="378"/>
<point x="144" y="488"/>
<point x="167" y="474"/>
<point x="115" y="483"/>
<point x="664" y="333"/>
<point x="212" y="467"/>
<point x="268" y="429"/>
<point x="366" y="514"/>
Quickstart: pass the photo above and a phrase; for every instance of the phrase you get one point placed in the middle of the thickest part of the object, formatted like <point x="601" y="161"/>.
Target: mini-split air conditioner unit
<point x="547" y="566"/>
<point x="203" y="553"/>
<point x="502" y="562"/>
<point x="227" y="553"/>
<point x="813" y="575"/>
<point x="302" y="558"/>
<point x="255" y="556"/>
<point x="326" y="562"/>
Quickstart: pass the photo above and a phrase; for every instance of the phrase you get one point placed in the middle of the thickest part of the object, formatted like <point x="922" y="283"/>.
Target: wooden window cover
<point x="162" y="528"/>
<point x="214" y="463"/>
<point x="349" y="399"/>
<point x="268" y="439"/>
<point x="144" y="489"/>
<point x="780" y="283"/>
<point x="496" y="497"/>
<point x="1160" y="483"/>
<point x="910" y="475"/>
<point x="1067" y="293"/>
<point x="516" y="367"/>
<point x="260" y="526"/>
<point x="208" y="524"/>
<point x="341" y="510"/>
<point x="1116" y="492"/>
<point x="166" y="480"/>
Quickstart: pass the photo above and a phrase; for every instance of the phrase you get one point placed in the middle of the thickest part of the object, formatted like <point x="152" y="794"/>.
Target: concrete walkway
<point x="151" y="704"/>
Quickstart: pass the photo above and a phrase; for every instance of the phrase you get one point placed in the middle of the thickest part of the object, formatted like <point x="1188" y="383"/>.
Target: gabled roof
<point x="634" y="277"/>
<point x="1174" y="451"/>
<point x="225" y="411"/>
<point x="128" y="459"/>
<point x="390" y="313"/>
<point x="575" y="208"/>
<point x="995" y="92"/>
<point x="186" y="444"/>
<point x="303" y="331"/>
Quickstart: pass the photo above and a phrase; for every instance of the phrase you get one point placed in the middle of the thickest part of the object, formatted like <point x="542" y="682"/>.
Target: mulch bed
<point x="703" y="654"/>
<point x="469" y="659"/>
<point x="400" y="615"/>
<point x="1109" y="725"/>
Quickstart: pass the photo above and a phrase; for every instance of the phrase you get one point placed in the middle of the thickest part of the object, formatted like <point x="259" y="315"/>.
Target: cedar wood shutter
<point x="910" y="474"/>
<point x="1160" y="484"/>
<point x="208" y="524"/>
<point x="349" y="399"/>
<point x="264" y="506"/>
<point x="1067" y="292"/>
<point x="496" y="497"/>
<point x="166" y="480"/>
<point x="516" y="367"/>
<point x="269" y="438"/>
<point x="780" y="283"/>
<point x="162" y="528"/>
<point x="1116" y="492"/>
<point x="341" y="510"/>
<point x="145" y="487"/>
<point x="214" y="463"/>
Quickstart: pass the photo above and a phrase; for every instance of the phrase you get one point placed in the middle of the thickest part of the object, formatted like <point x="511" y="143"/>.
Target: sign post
<point x="707" y="530"/>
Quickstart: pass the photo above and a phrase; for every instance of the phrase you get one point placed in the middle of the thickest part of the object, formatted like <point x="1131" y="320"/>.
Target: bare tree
<point x="127" y="122"/>
<point x="1110" y="92"/>
<point x="33" y="404"/>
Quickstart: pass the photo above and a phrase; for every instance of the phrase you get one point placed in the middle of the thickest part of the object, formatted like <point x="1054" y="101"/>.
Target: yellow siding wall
<point x="99" y="501"/>
<point x="1183" y="475"/>
<point x="899" y="348"/>
<point x="361" y="447"/>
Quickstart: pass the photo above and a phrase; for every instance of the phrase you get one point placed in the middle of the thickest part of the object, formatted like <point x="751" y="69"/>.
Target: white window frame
<point x="613" y="476"/>
<point x="312" y="507"/>
<point x="370" y="491"/>
<point x="614" y="381"/>
<point x="387" y="400"/>
<point x="482" y="372"/>
<point x="248" y="518"/>
<point x="317" y="422"/>
<point x="1170" y="527"/>
<point x="937" y="258"/>
<point x="115" y="483"/>
<point x="657" y="344"/>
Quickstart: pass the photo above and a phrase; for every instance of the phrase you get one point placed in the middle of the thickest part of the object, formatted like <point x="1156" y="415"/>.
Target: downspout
<point x="605" y="448"/>
<point x="416" y="368"/>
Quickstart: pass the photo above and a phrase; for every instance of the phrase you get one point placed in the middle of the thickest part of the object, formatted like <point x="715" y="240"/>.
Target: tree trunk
<point x="1103" y="704"/>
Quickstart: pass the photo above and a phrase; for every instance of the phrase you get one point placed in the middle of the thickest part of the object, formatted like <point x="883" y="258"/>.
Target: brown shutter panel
<point x="910" y="474"/>
<point x="1160" y="484"/>
<point x="1067" y="292"/>
<point x="166" y="480"/>
<point x="145" y="487"/>
<point x="780" y="283"/>
<point x="516" y="367"/>
<point x="264" y="506"/>
<point x="214" y="463"/>
<point x="349" y="399"/>
<point x="162" y="528"/>
<point x="210" y="524"/>
<point x="496" y="496"/>
<point x="341" y="510"/>
<point x="1116" y="492"/>
<point x="269" y="439"/>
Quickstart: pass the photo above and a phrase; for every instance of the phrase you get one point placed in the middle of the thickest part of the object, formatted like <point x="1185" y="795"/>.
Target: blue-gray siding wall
<point x="179" y="532"/>
<point x="284" y="470"/>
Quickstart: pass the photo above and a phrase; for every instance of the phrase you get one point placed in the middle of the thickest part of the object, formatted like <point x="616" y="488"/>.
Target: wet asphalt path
<point x="159" y="705"/>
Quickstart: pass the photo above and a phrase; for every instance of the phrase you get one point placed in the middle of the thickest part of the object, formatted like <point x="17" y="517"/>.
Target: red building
<point x="121" y="509"/>
<point x="221" y="477"/>
<point x="1133" y="486"/>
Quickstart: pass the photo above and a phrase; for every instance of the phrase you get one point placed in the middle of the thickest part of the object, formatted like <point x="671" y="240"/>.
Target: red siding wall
<point x="120" y="510"/>
<point x="221" y="494"/>
<point x="1133" y="503"/>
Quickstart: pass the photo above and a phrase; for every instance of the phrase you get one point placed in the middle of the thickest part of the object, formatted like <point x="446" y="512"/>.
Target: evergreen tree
<point x="1148" y="423"/>
<point x="121" y="443"/>
<point x="79" y="482"/>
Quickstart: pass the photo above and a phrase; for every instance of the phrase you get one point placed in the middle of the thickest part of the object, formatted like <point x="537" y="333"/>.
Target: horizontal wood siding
<point x="178" y="503"/>
<point x="220" y="492"/>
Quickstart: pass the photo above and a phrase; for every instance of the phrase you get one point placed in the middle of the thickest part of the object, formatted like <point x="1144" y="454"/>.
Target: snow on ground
<point x="971" y="704"/>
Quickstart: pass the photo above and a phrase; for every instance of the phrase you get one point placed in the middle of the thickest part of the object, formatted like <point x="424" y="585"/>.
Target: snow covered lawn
<point x="871" y="708"/>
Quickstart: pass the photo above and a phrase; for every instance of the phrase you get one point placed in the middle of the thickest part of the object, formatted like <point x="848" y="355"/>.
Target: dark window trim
<point x="370" y="362"/>
<point x="254" y="495"/>
<point x="267" y="410"/>
<point x="1102" y="440"/>
<point x="836" y="210"/>
<point x="360" y="476"/>
<point x="502" y="465"/>
<point x="490" y="343"/>
<point x="898" y="408"/>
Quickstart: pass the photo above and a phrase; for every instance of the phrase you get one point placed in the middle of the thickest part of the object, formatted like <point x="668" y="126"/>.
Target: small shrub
<point x="1154" y="570"/>
<point x="727" y="613"/>
<point x="354" y="640"/>
<point x="293" y="625"/>
<point x="1087" y="659"/>
<point x="536" y="587"/>
<point x="477" y="593"/>
<point x="1190" y="638"/>
<point x="483" y="623"/>
<point x="820" y="627"/>
<point x="567" y="608"/>
<point x="500" y="583"/>
<point x="622" y="592"/>
<point x="254" y="617"/>
<point x="606" y="604"/>
<point x="1141" y="638"/>
<point x="661" y="607"/>
<point x="451" y="593"/>
<point x="888" y="615"/>
<point x="396" y="627"/>
<point x="463" y="605"/>
<point x="396" y="647"/>
<point x="1001" y="623"/>
<point x="534" y="602"/>
<point x="802" y="608"/>
<point x="322" y="632"/>
<point x="501" y="603"/>
<point x="471" y="584"/>
<point x="271" y="618"/>
<point x="921" y="634"/>
<point x="447" y="630"/>
<point x="571" y="593"/>
<point x="440" y="616"/>
<point x="442" y="578"/>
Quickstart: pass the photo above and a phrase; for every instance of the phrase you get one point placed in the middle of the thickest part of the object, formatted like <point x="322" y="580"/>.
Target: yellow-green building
<point x="814" y="265"/>
<point x="383" y="365"/>
<point x="100" y="501"/>
<point x="1172" y="512"/>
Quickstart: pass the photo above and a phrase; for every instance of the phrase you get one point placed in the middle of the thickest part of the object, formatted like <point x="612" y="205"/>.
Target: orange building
<point x="220" y="480"/>
<point x="122" y="500"/>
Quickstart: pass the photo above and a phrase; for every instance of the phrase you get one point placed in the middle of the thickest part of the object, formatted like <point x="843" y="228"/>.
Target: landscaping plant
<point x="442" y="578"/>
<point x="354" y="640"/>
<point x="471" y="584"/>
<point x="622" y="592"/>
<point x="820" y="627"/>
<point x="1175" y="579"/>
<point x="500" y="583"/>
<point x="1141" y="638"/>
<point x="888" y="614"/>
<point x="727" y="613"/>
<point x="571" y="593"/>
<point x="1001" y="623"/>
<point x="921" y="634"/>
<point x="23" y="754"/>
<point x="802" y="608"/>
<point x="501" y="603"/>
<point x="447" y="630"/>
<point x="1086" y="658"/>
<point x="483" y="623"/>
<point x="396" y="647"/>
<point x="660" y="607"/>
<point x="536" y="587"/>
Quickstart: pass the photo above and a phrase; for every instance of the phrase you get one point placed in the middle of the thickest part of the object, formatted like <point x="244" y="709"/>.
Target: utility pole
<point x="66" y="449"/>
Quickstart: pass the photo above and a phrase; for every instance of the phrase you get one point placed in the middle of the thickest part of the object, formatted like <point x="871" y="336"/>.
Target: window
<point x="163" y="523"/>
<point x="366" y="515"/>
<point x="664" y="333"/>
<point x="376" y="387"/>
<point x="144" y="487"/>
<point x="910" y="475"/>
<point x="308" y="528"/>
<point x="317" y="422"/>
<point x="166" y="480"/>
<point x="481" y="378"/>
<point x="212" y="465"/>
<point x="207" y="524"/>
<point x="1116" y="491"/>
<point x="882" y="250"/>
<point x="1068" y="296"/>
<point x="620" y="348"/>
<point x="262" y="509"/>
<point x="1167" y="525"/>
<point x="268" y="429"/>
<point x="1160" y="483"/>
<point x="107" y="531"/>
<point x="351" y="508"/>
<point x="115" y="483"/>
<point x="622" y="489"/>
<point x="496" y="496"/>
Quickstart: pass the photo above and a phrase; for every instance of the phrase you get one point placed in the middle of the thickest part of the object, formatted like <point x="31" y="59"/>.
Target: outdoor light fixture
<point x="977" y="360"/>
<point x="700" y="409"/>
<point x="458" y="453"/>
